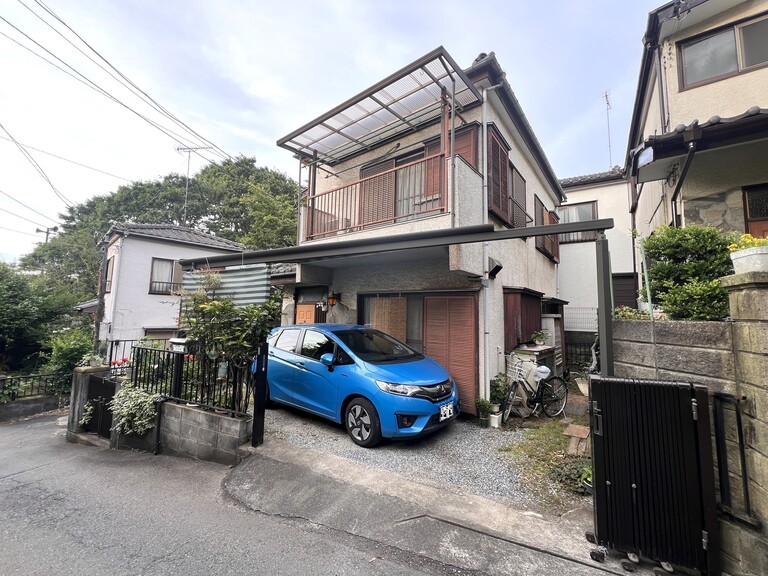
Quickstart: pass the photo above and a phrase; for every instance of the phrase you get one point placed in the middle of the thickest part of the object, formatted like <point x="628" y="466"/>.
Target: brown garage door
<point x="450" y="337"/>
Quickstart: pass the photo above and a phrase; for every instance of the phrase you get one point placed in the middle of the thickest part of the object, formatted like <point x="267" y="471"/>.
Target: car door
<point x="315" y="385"/>
<point x="282" y="367"/>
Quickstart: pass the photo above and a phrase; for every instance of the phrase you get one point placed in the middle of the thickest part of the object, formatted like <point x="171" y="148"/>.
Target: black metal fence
<point x="18" y="387"/>
<point x="215" y="383"/>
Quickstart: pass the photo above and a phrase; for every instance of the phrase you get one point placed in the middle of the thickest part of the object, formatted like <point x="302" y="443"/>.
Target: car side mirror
<point x="327" y="359"/>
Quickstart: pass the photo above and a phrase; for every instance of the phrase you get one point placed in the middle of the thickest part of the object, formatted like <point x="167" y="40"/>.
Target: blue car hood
<point x="421" y="372"/>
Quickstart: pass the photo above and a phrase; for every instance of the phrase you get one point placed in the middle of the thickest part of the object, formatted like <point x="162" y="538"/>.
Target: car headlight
<point x="400" y="389"/>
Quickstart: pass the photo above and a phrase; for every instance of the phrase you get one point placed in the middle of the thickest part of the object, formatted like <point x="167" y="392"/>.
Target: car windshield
<point x="376" y="347"/>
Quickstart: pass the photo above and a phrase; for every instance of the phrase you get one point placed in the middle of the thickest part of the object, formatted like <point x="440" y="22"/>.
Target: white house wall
<point x="129" y="308"/>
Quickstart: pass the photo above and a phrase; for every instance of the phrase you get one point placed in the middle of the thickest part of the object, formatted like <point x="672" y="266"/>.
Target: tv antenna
<point x="607" y="96"/>
<point x="189" y="150"/>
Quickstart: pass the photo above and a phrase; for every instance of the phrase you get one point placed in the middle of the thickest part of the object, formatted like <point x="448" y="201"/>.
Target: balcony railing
<point x="403" y="193"/>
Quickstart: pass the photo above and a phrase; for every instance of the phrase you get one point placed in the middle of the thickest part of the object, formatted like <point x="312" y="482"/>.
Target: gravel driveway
<point x="461" y="456"/>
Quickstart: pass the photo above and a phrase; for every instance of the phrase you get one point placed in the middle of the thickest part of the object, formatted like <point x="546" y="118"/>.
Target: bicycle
<point x="533" y="389"/>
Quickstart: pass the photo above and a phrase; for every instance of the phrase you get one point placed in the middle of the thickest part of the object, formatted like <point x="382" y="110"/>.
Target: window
<point x="108" y="275"/>
<point x="162" y="278"/>
<point x="549" y="244"/>
<point x="315" y="345"/>
<point x="578" y="213"/>
<point x="724" y="53"/>
<point x="756" y="210"/>
<point x="287" y="339"/>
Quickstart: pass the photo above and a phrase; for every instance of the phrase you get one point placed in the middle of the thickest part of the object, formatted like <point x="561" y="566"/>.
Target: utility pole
<point x="47" y="232"/>
<point x="607" y="95"/>
<point x="189" y="150"/>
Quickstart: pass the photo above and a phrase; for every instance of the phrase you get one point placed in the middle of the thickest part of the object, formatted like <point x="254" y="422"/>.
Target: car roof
<point x="327" y="327"/>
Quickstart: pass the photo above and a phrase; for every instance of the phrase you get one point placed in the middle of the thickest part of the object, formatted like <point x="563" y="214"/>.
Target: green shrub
<point x="696" y="301"/>
<point x="571" y="472"/>
<point x="628" y="313"/>
<point x="685" y="265"/>
<point x="133" y="410"/>
<point x="498" y="388"/>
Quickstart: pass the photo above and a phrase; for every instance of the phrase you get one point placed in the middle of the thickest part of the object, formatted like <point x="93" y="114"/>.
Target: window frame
<point x="575" y="237"/>
<point x="549" y="245"/>
<point x="748" y="216"/>
<point x="108" y="274"/>
<point x="153" y="289"/>
<point x="736" y="27"/>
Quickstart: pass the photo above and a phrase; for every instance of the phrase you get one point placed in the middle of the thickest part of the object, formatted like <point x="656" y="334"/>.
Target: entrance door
<point x="305" y="313"/>
<point x="450" y="337"/>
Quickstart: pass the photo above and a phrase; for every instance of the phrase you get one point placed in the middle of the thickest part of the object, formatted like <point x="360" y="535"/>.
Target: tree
<point x="19" y="313"/>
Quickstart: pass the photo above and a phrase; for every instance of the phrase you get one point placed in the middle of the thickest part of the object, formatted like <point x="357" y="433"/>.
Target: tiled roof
<point x="755" y="113"/>
<point x="178" y="234"/>
<point x="615" y="173"/>
<point x="282" y="269"/>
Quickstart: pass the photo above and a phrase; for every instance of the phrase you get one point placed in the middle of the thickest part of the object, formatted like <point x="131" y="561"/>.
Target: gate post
<point x="604" y="305"/>
<point x="259" y="395"/>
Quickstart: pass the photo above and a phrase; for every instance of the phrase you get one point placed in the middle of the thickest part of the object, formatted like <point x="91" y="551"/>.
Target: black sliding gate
<point x="653" y="475"/>
<point x="100" y="392"/>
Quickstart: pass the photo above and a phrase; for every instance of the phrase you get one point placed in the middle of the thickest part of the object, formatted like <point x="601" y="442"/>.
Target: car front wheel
<point x="362" y="423"/>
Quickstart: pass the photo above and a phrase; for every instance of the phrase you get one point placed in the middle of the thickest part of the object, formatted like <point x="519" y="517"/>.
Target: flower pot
<point x="583" y="385"/>
<point x="539" y="342"/>
<point x="750" y="260"/>
<point x="484" y="422"/>
<point x="495" y="408"/>
<point x="494" y="420"/>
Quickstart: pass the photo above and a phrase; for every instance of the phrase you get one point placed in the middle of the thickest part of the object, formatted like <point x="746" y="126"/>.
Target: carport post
<point x="604" y="305"/>
<point x="259" y="395"/>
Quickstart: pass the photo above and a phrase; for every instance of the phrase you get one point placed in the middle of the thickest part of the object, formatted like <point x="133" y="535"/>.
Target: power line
<point x="22" y="217"/>
<point x="70" y="161"/>
<point x="17" y="231"/>
<point x="89" y="83"/>
<point x="29" y="208"/>
<point x="37" y="166"/>
<point x="154" y="103"/>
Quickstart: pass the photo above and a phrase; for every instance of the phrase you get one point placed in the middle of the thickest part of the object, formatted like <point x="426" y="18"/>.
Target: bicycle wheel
<point x="514" y="401"/>
<point x="554" y="396"/>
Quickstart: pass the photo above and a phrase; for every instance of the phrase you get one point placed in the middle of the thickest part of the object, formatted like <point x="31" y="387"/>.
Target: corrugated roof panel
<point x="244" y="285"/>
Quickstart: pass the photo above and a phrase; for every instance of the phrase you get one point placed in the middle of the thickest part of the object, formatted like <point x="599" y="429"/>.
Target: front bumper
<point x="427" y="415"/>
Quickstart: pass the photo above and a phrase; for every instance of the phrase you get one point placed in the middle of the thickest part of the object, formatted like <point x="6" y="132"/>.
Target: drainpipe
<point x="681" y="179"/>
<point x="486" y="282"/>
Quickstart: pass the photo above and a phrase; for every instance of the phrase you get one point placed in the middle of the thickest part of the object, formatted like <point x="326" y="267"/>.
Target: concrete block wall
<point x="201" y="434"/>
<point x="730" y="357"/>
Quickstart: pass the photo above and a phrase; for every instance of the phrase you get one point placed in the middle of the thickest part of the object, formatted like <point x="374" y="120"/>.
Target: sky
<point x="243" y="73"/>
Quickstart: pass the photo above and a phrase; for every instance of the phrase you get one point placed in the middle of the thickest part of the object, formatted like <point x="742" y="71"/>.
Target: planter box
<point x="750" y="260"/>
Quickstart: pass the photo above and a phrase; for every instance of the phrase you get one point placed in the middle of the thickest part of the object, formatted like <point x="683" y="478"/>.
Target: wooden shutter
<point x="465" y="146"/>
<point x="450" y="337"/>
<point x="433" y="185"/>
<point x="378" y="204"/>
<point x="498" y="179"/>
<point x="517" y="211"/>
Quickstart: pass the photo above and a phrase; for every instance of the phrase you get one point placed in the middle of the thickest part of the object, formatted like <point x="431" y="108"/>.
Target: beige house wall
<point x="728" y="97"/>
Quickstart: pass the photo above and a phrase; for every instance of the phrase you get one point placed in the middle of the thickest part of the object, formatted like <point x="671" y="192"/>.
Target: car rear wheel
<point x="362" y="423"/>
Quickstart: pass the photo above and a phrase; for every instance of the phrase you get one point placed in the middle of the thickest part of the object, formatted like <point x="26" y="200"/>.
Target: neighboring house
<point x="141" y="277"/>
<point x="593" y="196"/>
<point x="698" y="139"/>
<point x="379" y="165"/>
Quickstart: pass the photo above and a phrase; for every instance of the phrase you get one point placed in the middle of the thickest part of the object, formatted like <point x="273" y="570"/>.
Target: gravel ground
<point x="461" y="456"/>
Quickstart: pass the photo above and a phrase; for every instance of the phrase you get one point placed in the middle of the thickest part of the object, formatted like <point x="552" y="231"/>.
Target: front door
<point x="450" y="337"/>
<point x="305" y="313"/>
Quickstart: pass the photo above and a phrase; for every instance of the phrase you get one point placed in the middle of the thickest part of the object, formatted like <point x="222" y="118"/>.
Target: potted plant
<point x="483" y="409"/>
<point x="92" y="359"/>
<point x="749" y="254"/>
<point x="539" y="337"/>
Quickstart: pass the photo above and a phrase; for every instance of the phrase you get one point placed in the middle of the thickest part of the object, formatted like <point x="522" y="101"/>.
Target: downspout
<point x="681" y="179"/>
<point x="453" y="152"/>
<point x="486" y="282"/>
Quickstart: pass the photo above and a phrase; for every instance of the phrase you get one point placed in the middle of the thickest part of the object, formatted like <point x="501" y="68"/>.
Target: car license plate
<point x="446" y="411"/>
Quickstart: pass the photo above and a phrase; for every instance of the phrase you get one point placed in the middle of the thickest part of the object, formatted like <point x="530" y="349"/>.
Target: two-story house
<point x="141" y="278"/>
<point x="698" y="140"/>
<point x="433" y="147"/>
<point x="593" y="196"/>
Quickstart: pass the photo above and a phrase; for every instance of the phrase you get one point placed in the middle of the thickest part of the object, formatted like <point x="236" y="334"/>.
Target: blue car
<point x="376" y="385"/>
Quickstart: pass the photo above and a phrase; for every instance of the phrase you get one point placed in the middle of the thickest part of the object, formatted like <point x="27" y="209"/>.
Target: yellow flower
<point x="747" y="241"/>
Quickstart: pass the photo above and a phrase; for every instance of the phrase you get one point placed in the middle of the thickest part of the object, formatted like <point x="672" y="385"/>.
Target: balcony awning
<point x="656" y="158"/>
<point x="398" y="104"/>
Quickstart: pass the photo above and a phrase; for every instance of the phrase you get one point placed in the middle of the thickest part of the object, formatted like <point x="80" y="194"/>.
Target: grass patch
<point x="548" y="474"/>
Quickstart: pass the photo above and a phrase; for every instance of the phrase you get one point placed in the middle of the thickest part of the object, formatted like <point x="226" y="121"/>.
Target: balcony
<point x="407" y="192"/>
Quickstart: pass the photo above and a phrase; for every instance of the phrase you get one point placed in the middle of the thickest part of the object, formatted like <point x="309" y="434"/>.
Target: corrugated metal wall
<point x="244" y="284"/>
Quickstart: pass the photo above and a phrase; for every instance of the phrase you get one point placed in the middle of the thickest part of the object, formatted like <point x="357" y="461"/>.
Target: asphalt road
<point x="73" y="509"/>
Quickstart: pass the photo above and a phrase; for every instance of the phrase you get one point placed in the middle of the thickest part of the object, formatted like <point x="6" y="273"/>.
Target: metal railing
<point x="18" y="387"/>
<point x="214" y="383"/>
<point x="399" y="194"/>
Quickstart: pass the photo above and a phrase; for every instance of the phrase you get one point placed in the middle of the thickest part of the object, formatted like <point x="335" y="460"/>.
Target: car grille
<point x="436" y="392"/>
